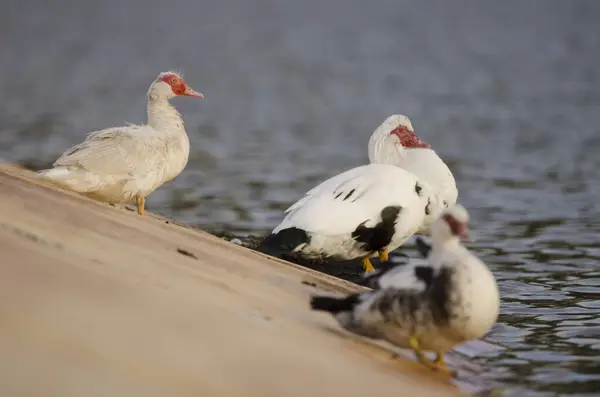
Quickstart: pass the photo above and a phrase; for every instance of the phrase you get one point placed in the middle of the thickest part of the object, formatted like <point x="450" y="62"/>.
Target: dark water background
<point x="508" y="92"/>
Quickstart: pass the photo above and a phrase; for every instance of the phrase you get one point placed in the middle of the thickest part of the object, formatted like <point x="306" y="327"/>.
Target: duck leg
<point x="440" y="365"/>
<point x="437" y="365"/>
<point x="439" y="359"/>
<point x="367" y="265"/>
<point x="383" y="255"/>
<point x="413" y="343"/>
<point x="140" y="202"/>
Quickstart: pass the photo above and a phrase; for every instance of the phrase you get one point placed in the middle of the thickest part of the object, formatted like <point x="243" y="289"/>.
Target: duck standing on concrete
<point x="122" y="164"/>
<point x="449" y="299"/>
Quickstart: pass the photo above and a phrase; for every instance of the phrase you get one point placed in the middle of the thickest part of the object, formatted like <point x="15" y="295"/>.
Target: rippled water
<point x="507" y="92"/>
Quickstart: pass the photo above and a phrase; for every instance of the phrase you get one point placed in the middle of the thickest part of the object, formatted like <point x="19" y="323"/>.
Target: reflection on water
<point x="507" y="92"/>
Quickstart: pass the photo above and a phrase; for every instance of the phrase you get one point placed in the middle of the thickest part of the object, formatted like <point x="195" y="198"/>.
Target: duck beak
<point x="189" y="91"/>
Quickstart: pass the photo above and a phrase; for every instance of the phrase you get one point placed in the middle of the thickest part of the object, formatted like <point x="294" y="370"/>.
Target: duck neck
<point x="382" y="149"/>
<point x="445" y="242"/>
<point x="163" y="116"/>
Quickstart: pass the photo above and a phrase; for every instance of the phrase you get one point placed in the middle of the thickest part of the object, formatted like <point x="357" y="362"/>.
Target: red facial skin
<point x="409" y="139"/>
<point x="179" y="86"/>
<point x="457" y="228"/>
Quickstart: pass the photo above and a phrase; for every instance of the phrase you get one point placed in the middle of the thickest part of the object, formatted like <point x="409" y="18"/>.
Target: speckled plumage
<point x="440" y="301"/>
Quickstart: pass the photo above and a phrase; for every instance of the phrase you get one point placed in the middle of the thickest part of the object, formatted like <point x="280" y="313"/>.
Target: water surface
<point x="507" y="92"/>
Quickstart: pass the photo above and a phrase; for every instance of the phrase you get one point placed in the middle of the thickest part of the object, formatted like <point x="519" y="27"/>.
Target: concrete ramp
<point x="98" y="301"/>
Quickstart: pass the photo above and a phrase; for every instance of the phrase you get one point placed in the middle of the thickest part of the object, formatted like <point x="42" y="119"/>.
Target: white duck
<point x="364" y="211"/>
<point x="395" y="142"/>
<point x="118" y="165"/>
<point x="436" y="304"/>
<point x="392" y="143"/>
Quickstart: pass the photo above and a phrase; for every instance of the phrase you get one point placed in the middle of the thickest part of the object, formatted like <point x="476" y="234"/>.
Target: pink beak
<point x="190" y="92"/>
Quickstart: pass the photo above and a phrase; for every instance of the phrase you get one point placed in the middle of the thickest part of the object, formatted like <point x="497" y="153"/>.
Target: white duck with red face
<point x="394" y="142"/>
<point x="122" y="164"/>
<point x="371" y="209"/>
<point x="434" y="304"/>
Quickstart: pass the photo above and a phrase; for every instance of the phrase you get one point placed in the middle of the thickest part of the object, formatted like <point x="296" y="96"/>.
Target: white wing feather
<point x="116" y="151"/>
<point x="428" y="166"/>
<point x="328" y="185"/>
<point x="339" y="204"/>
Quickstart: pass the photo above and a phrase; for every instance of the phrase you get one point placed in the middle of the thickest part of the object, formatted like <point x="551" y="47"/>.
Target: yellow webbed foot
<point x="440" y="364"/>
<point x="437" y="365"/>
<point x="413" y="342"/>
<point x="439" y="359"/>
<point x="367" y="265"/>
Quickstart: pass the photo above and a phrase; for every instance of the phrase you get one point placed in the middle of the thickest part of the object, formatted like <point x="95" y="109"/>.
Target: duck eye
<point x="174" y="80"/>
